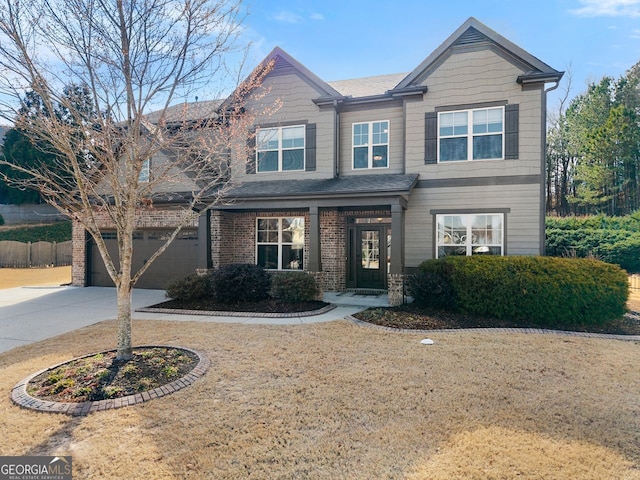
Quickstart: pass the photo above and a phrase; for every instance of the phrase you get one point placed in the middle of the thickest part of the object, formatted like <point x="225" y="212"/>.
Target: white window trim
<point x="470" y="135"/>
<point x="280" y="243"/>
<point x="370" y="145"/>
<point x="281" y="149"/>
<point x="469" y="245"/>
<point x="145" y="172"/>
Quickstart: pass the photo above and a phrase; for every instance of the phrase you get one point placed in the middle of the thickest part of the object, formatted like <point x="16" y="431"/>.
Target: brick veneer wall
<point x="233" y="235"/>
<point x="333" y="245"/>
<point x="150" y="218"/>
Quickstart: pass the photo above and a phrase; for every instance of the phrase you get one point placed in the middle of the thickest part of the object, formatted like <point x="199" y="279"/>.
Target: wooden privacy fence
<point x="634" y="281"/>
<point x="38" y="254"/>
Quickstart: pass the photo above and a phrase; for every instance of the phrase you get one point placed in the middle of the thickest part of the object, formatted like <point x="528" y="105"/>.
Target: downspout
<point x="543" y="190"/>
<point x="336" y="140"/>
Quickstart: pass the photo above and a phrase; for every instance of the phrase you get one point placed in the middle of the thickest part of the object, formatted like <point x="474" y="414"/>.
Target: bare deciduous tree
<point x="128" y="57"/>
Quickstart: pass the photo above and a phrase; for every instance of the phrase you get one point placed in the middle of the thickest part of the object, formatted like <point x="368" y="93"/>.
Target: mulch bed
<point x="263" y="306"/>
<point x="412" y="317"/>
<point x="102" y="377"/>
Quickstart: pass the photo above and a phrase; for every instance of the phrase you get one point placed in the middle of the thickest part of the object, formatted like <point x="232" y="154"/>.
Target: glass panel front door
<point x="370" y="256"/>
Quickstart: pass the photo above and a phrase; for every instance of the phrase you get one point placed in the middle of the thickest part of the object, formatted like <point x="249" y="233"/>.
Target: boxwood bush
<point x="294" y="287"/>
<point x="240" y="283"/>
<point x="430" y="289"/>
<point x="191" y="287"/>
<point x="552" y="292"/>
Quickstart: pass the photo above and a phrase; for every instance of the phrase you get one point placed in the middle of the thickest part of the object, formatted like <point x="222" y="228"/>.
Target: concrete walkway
<point x="31" y="314"/>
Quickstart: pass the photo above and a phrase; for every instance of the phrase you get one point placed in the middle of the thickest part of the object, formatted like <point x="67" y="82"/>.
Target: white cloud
<point x="635" y="34"/>
<point x="608" y="8"/>
<point x="317" y="16"/>
<point x="288" y="17"/>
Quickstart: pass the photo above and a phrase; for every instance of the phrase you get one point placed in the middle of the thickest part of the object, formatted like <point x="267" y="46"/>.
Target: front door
<point x="370" y="262"/>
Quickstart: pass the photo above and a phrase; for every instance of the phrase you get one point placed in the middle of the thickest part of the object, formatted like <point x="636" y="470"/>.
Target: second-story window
<point x="280" y="149"/>
<point x="471" y="135"/>
<point x="371" y="145"/>
<point x="145" y="172"/>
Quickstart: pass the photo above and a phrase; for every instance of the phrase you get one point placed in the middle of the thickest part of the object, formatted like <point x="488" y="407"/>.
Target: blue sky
<point x="341" y="39"/>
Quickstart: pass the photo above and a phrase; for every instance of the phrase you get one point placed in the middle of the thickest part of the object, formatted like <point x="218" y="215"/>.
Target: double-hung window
<point x="471" y="135"/>
<point x="280" y="243"/>
<point x="371" y="145"/>
<point x="280" y="149"/>
<point x="145" y="172"/>
<point x="470" y="234"/>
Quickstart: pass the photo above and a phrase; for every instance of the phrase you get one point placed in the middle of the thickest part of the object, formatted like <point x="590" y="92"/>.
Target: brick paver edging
<point x="213" y="313"/>
<point x="540" y="331"/>
<point x="20" y="396"/>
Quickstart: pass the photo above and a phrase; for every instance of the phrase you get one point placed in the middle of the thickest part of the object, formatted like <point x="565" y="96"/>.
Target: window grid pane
<point x="371" y="145"/>
<point x="486" y="143"/>
<point x="280" y="243"/>
<point x="468" y="234"/>
<point x="280" y="149"/>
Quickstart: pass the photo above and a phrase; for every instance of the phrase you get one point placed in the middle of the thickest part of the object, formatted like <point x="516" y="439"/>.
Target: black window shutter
<point x="431" y="138"/>
<point x="511" y="131"/>
<point x="251" y="153"/>
<point x="310" y="147"/>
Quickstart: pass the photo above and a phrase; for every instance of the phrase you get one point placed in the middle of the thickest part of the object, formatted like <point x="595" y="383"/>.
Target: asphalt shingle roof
<point x="184" y="112"/>
<point x="367" y="86"/>
<point x="349" y="185"/>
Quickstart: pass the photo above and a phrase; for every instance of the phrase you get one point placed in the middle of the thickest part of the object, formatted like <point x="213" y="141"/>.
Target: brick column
<point x="79" y="255"/>
<point x="395" y="288"/>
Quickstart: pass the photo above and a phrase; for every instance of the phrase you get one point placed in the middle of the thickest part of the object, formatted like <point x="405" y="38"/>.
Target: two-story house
<point x="359" y="181"/>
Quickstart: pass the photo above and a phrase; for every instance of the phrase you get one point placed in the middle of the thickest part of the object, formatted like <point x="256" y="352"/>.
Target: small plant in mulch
<point x="102" y="377"/>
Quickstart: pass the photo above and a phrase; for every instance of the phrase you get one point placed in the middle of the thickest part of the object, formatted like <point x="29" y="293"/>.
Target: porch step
<point x="364" y="291"/>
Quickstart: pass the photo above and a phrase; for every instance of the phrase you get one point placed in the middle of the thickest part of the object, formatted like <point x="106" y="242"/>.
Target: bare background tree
<point x="97" y="68"/>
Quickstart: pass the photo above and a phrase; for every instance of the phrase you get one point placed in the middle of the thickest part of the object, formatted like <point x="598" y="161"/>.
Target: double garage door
<point x="177" y="261"/>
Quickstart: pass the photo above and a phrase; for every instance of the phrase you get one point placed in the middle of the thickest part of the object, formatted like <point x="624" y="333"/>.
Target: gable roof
<point x="474" y="33"/>
<point x="286" y="64"/>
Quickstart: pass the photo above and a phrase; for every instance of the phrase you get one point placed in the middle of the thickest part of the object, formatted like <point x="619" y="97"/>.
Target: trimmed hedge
<point x="191" y="287"/>
<point x="293" y="287"/>
<point x="429" y="289"/>
<point x="610" y="239"/>
<point x="546" y="291"/>
<point x="240" y="283"/>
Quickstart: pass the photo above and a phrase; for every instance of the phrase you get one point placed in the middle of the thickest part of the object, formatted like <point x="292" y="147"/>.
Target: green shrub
<point x="54" y="232"/>
<point x="554" y="292"/>
<point x="294" y="287"/>
<point x="1" y="220"/>
<point x="240" y="283"/>
<point x="611" y="239"/>
<point x="429" y="289"/>
<point x="191" y="287"/>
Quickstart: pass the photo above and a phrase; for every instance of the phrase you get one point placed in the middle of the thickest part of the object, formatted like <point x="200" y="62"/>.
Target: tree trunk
<point x="125" y="349"/>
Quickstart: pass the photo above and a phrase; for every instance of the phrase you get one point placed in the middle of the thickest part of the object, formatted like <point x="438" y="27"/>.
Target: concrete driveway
<point x="31" y="314"/>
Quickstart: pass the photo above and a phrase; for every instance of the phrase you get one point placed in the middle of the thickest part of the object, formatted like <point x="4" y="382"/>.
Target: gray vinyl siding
<point x="473" y="77"/>
<point x="173" y="179"/>
<point x="295" y="96"/>
<point x="394" y="114"/>
<point x="522" y="235"/>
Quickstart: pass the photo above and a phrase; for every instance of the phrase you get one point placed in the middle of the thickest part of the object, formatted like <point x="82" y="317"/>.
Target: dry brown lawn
<point x="21" y="277"/>
<point x="339" y="401"/>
